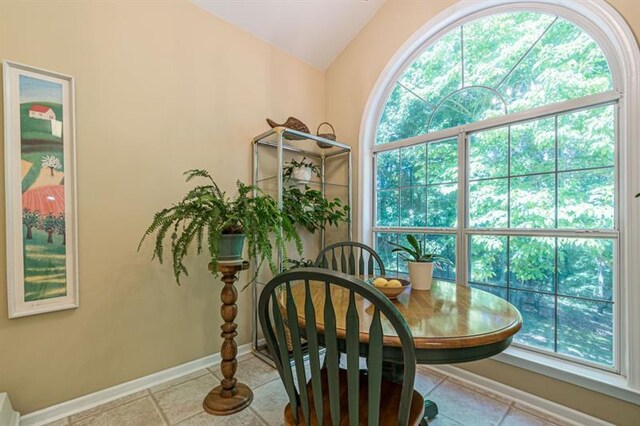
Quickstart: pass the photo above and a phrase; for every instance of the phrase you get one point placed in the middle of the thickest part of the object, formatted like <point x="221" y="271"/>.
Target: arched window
<point x="498" y="146"/>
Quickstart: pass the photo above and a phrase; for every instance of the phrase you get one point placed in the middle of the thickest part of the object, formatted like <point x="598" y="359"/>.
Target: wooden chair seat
<point x="389" y="405"/>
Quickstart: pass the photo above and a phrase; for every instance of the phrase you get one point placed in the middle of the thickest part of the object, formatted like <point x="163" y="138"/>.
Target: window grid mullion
<point x="461" y="244"/>
<point x="555" y="247"/>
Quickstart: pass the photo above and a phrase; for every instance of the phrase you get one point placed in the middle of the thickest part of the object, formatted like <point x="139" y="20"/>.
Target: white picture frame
<point x="40" y="190"/>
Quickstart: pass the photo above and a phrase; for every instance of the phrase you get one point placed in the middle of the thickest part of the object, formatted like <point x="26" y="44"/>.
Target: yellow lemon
<point x="380" y="282"/>
<point x="394" y="283"/>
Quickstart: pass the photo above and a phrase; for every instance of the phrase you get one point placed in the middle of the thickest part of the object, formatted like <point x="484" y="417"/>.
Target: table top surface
<point x="446" y="317"/>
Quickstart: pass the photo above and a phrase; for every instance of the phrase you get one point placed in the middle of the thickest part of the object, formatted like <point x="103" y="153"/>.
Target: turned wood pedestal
<point x="231" y="396"/>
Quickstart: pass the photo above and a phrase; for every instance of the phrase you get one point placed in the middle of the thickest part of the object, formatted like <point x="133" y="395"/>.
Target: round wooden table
<point x="450" y="324"/>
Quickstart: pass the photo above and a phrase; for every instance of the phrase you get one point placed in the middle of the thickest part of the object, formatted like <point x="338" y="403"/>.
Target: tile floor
<point x="179" y="402"/>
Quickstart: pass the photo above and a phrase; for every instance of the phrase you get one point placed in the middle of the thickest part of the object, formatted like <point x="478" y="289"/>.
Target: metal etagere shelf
<point x="271" y="150"/>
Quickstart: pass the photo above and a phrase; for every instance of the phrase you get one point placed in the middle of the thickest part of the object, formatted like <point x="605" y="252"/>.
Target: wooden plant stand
<point x="230" y="396"/>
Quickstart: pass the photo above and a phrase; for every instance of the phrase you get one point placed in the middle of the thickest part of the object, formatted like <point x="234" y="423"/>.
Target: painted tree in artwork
<point x="60" y="228"/>
<point x="30" y="219"/>
<point x="52" y="162"/>
<point x="49" y="224"/>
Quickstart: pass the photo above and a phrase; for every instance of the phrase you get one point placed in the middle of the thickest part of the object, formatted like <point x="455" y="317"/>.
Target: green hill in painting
<point x="35" y="129"/>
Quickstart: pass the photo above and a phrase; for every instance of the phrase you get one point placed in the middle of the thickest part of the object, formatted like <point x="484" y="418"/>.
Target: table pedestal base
<point x="218" y="405"/>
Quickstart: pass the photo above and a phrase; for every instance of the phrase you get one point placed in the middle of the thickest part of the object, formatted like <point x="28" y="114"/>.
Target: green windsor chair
<point x="303" y="301"/>
<point x="352" y="258"/>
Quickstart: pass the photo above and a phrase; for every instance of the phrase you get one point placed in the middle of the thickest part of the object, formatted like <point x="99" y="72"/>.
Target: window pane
<point x="565" y="64"/>
<point x="488" y="259"/>
<point x="387" y="169"/>
<point x="493" y="45"/>
<point x="488" y="204"/>
<point x="437" y="71"/>
<point x="533" y="201"/>
<point x="585" y="267"/>
<point x="387" y="212"/>
<point x="443" y="161"/>
<point x="413" y="166"/>
<point x="442" y="202"/>
<point x="585" y="330"/>
<point x="532" y="263"/>
<point x="586" y="139"/>
<point x="389" y="259"/>
<point x="585" y="199"/>
<point x="537" y="318"/>
<point x="533" y="147"/>
<point x="413" y="206"/>
<point x="444" y="245"/>
<point x="488" y="154"/>
<point x="467" y="106"/>
<point x="404" y="115"/>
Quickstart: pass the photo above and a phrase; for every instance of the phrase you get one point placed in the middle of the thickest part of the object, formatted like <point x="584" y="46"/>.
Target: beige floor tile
<point x="245" y="417"/>
<point x="269" y="401"/>
<point x="253" y="372"/>
<point x="441" y="420"/>
<point x="185" y="400"/>
<point x="109" y="405"/>
<point x="178" y="380"/>
<point x="61" y="422"/>
<point x="426" y="381"/>
<point x="466" y="406"/>
<point x="517" y="417"/>
<point x="141" y="412"/>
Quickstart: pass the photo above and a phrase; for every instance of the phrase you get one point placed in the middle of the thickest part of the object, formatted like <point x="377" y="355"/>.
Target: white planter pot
<point x="420" y="274"/>
<point x="301" y="173"/>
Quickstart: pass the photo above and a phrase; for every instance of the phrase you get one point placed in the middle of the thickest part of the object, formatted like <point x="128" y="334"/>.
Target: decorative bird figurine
<point x="291" y="123"/>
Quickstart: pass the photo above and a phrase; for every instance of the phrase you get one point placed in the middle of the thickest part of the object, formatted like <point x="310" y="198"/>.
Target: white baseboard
<point x="8" y="416"/>
<point x="536" y="403"/>
<point x="103" y="396"/>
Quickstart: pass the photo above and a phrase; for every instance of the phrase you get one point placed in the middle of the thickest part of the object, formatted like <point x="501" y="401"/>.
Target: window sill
<point x="610" y="384"/>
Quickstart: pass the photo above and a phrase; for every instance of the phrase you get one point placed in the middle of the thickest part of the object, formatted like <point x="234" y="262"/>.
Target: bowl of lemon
<point x="390" y="286"/>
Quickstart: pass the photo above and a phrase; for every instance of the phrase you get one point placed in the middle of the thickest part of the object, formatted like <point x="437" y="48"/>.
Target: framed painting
<point x="40" y="190"/>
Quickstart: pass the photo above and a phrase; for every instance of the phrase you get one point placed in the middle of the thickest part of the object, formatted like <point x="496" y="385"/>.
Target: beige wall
<point x="349" y="81"/>
<point x="161" y="87"/>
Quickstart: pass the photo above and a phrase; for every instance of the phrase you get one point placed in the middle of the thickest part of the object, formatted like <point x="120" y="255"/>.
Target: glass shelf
<point x="298" y="182"/>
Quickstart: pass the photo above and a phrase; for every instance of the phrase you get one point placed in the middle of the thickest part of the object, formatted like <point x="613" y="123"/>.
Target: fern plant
<point x="206" y="213"/>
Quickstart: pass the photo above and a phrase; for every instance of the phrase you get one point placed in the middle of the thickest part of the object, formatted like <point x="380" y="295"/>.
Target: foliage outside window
<point x="534" y="213"/>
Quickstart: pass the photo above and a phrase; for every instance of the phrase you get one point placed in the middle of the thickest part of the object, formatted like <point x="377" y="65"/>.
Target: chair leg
<point x="430" y="409"/>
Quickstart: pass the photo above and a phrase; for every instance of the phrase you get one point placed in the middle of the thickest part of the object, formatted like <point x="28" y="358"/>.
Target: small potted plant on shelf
<point x="302" y="170"/>
<point x="420" y="262"/>
<point x="207" y="216"/>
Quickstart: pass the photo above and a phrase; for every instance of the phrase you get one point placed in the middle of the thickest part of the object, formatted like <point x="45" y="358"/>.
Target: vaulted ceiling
<point x="316" y="31"/>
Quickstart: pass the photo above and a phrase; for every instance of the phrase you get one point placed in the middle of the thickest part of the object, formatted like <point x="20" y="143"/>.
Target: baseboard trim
<point x="74" y="406"/>
<point x="521" y="397"/>
<point x="8" y="416"/>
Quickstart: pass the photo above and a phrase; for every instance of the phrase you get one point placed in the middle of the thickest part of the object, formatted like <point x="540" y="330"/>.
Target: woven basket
<point x="293" y="124"/>
<point x="331" y="136"/>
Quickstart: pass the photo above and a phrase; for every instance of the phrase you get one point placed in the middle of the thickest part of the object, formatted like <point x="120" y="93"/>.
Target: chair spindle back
<point x="278" y="308"/>
<point x="351" y="258"/>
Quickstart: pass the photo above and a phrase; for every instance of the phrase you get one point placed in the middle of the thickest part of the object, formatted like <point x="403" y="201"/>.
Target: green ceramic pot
<point x="230" y="247"/>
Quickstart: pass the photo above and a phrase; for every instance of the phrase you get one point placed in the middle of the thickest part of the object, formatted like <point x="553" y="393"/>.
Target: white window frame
<point x="616" y="40"/>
